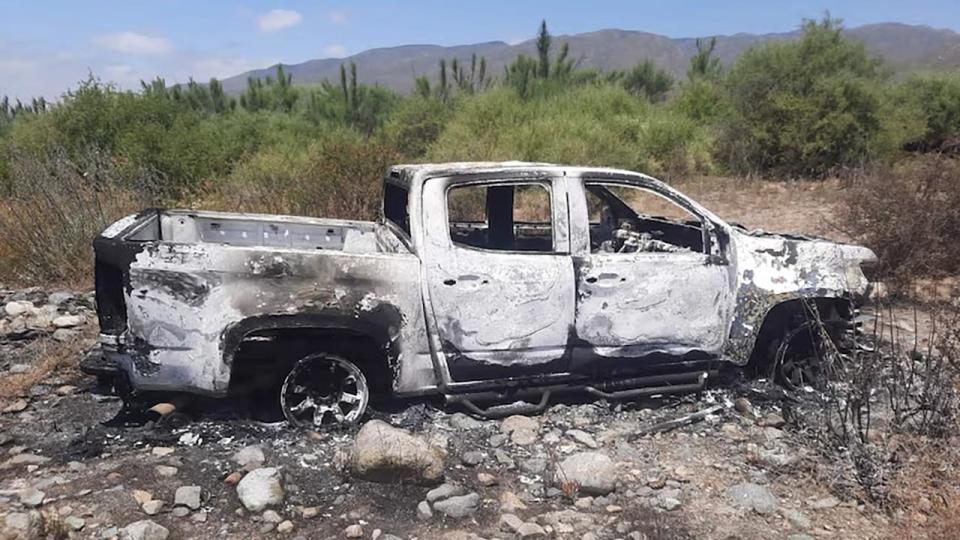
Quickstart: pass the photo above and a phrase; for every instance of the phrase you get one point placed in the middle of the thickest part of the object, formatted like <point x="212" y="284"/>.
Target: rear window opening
<point x="502" y="217"/>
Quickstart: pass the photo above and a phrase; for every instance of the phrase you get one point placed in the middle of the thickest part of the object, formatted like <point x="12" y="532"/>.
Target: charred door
<point x="499" y="276"/>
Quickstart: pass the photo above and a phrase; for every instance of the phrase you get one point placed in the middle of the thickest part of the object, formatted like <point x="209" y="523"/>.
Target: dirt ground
<point x="743" y="472"/>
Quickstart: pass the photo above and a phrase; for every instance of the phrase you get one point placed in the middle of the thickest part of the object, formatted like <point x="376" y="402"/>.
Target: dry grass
<point x="48" y="223"/>
<point x="46" y="356"/>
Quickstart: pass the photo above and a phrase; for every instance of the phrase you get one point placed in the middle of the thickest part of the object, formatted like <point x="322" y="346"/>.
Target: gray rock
<point x="796" y="518"/>
<point x="533" y="465"/>
<point x="166" y="470"/>
<point x="583" y="438"/>
<point x="423" y="511"/>
<point x="68" y="321"/>
<point x="510" y="523"/>
<point x="743" y="406"/>
<point x="458" y="507"/>
<point x="752" y="496"/>
<point x="825" y="503"/>
<point x="271" y="516"/>
<point x="773" y="420"/>
<point x="668" y="503"/>
<point x="75" y="523"/>
<point x="180" y="511"/>
<point x="31" y="497"/>
<point x="16" y="308"/>
<point x="497" y="440"/>
<point x="444" y="491"/>
<point x="515" y="422"/>
<point x="17" y="520"/>
<point x="20" y="368"/>
<point x="260" y="488"/>
<point x="472" y="458"/>
<point x="462" y="421"/>
<point x="249" y="456"/>
<point x="188" y="496"/>
<point x="531" y="530"/>
<point x="592" y="472"/>
<point x="60" y="297"/>
<point x="383" y="453"/>
<point x="523" y="437"/>
<point x="144" y="530"/>
<point x="153" y="507"/>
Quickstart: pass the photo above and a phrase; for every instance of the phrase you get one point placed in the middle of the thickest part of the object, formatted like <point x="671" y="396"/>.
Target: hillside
<point x="905" y="47"/>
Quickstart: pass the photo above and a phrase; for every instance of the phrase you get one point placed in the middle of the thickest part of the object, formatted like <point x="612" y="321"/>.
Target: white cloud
<point x="134" y="43"/>
<point x="337" y="17"/>
<point x="278" y="19"/>
<point x="335" y="50"/>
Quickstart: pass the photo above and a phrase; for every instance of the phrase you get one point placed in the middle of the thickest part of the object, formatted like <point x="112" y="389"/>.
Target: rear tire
<point x="324" y="391"/>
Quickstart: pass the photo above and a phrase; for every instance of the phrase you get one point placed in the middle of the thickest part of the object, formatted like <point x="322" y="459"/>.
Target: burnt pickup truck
<point x="485" y="283"/>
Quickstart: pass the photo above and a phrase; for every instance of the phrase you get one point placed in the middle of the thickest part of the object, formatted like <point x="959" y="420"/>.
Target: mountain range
<point x="906" y="48"/>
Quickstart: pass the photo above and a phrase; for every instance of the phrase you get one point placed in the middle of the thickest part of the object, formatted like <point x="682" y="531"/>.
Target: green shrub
<point x="806" y="107"/>
<point x="934" y="101"/>
<point x="596" y="124"/>
<point x="416" y="123"/>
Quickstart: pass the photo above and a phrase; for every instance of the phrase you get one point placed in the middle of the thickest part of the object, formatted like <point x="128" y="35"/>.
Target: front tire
<point x="323" y="391"/>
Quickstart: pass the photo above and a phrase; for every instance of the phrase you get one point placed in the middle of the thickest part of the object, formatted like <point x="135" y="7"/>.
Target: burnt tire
<point x="324" y="391"/>
<point x="809" y="354"/>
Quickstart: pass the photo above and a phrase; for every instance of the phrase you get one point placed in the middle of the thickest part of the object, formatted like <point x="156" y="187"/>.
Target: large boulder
<point x="383" y="453"/>
<point x="591" y="472"/>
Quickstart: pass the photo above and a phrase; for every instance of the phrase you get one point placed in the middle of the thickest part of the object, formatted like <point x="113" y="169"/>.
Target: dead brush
<point x="885" y="392"/>
<point x="46" y="356"/>
<point x="55" y="209"/>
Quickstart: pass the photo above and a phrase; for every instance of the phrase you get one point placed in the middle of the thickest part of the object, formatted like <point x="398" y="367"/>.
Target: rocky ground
<point x="73" y="463"/>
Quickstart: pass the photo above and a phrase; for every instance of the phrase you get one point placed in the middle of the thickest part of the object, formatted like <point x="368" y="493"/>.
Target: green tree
<point x="646" y="80"/>
<point x="804" y="107"/>
<point x="704" y="65"/>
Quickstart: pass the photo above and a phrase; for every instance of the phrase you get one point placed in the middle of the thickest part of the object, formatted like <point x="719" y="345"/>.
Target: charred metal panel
<point x="776" y="268"/>
<point x="495" y="309"/>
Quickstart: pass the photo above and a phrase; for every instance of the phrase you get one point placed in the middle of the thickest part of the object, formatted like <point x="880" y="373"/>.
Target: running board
<point x="611" y="390"/>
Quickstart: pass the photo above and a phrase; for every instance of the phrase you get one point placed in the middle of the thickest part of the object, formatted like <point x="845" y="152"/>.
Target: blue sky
<point x="46" y="46"/>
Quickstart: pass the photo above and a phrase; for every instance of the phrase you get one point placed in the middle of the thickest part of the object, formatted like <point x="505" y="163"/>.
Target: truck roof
<point x="407" y="173"/>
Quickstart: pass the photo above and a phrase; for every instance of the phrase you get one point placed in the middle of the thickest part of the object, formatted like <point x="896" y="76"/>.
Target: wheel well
<point x="790" y="315"/>
<point x="264" y="357"/>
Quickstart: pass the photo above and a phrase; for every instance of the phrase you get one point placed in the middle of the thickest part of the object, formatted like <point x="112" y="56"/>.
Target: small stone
<point x="510" y="523"/>
<point x="510" y="503"/>
<point x="613" y="509"/>
<point x="142" y="496"/>
<point x="160" y="451"/>
<point x="16" y="406"/>
<point x="523" y="437"/>
<point x="167" y="471"/>
<point x="31" y="497"/>
<point x="75" y="523"/>
<point x="68" y="321"/>
<point x="180" y="511"/>
<point x="423" y="511"/>
<point x="458" y="507"/>
<point x="16" y="308"/>
<point x="20" y="368"/>
<point x="17" y="520"/>
<point x="271" y="516"/>
<point x="668" y="503"/>
<point x="773" y="420"/>
<point x="250" y="456"/>
<point x="531" y="530"/>
<point x="487" y="479"/>
<point x="533" y="465"/>
<point x="515" y="422"/>
<point x="233" y="478"/>
<point x="285" y="527"/>
<point x="260" y="488"/>
<point x="444" y="491"/>
<point x="497" y="440"/>
<point x="743" y="406"/>
<point x="144" y="530"/>
<point x="66" y="390"/>
<point x="583" y="438"/>
<point x="310" y="512"/>
<point x="752" y="496"/>
<point x="825" y="503"/>
<point x="472" y="458"/>
<point x="152" y="508"/>
<point x="354" y="531"/>
<point x="591" y="472"/>
<point x="109" y="532"/>
<point x="464" y="422"/>
<point x="797" y="519"/>
<point x="59" y="298"/>
<point x="188" y="496"/>
<point x="199" y="517"/>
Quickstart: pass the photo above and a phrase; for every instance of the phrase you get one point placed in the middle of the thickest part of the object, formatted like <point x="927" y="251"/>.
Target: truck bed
<point x="294" y="232"/>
